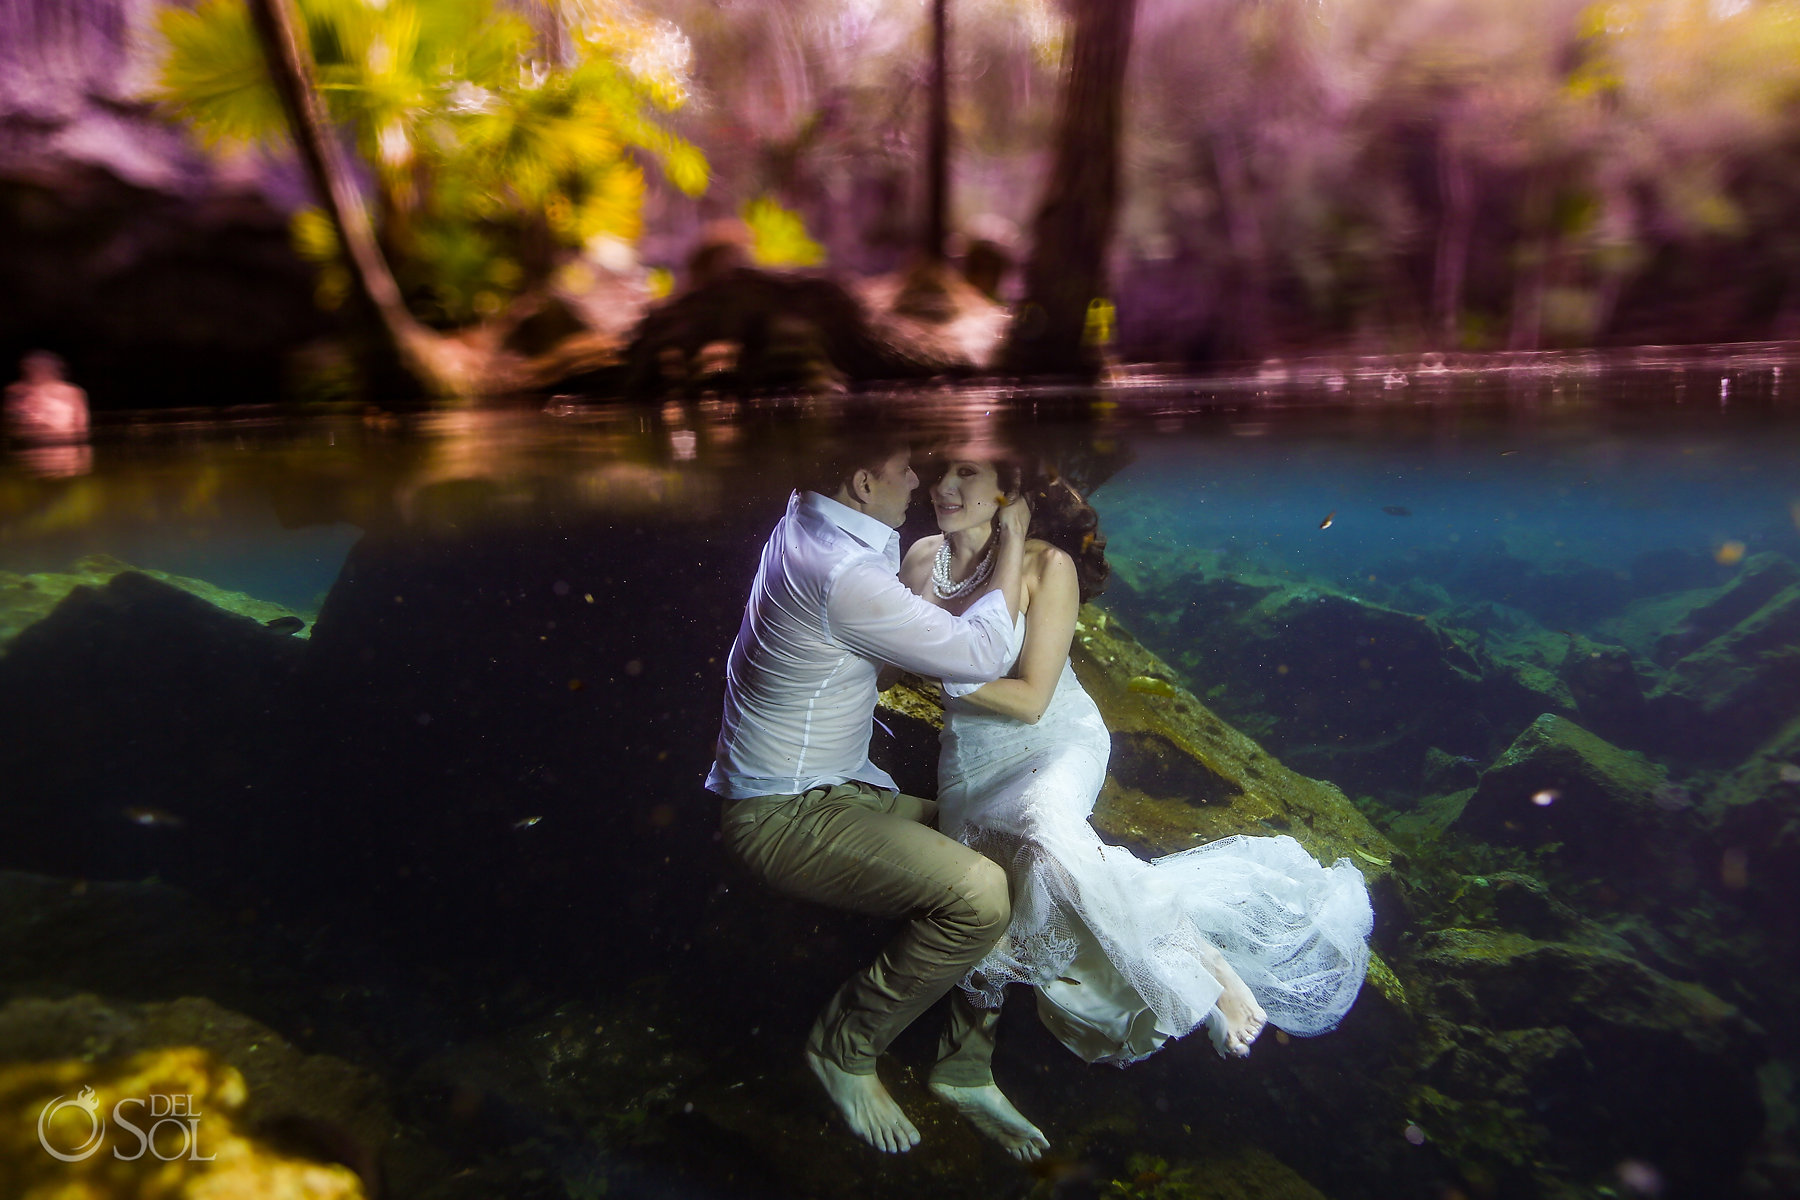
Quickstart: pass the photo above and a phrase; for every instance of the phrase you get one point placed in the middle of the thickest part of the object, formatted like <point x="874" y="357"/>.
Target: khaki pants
<point x="871" y="850"/>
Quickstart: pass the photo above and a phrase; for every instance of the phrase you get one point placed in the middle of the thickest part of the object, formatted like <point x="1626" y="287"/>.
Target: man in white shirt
<point x="808" y="813"/>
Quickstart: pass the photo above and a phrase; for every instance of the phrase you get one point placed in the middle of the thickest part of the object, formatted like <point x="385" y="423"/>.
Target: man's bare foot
<point x="988" y="1109"/>
<point x="1237" y="1018"/>
<point x="866" y="1107"/>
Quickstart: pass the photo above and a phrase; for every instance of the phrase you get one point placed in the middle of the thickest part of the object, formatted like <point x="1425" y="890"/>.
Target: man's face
<point x="890" y="490"/>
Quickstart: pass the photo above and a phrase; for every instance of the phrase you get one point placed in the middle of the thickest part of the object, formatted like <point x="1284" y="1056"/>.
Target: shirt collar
<point x="874" y="534"/>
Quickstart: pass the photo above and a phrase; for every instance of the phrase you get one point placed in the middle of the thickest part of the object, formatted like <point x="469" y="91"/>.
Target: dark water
<point x="450" y="840"/>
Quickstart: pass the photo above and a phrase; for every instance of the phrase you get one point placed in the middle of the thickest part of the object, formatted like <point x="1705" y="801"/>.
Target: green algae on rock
<point x="1559" y="783"/>
<point x="27" y="599"/>
<point x="1549" y="1028"/>
<point x="1737" y="689"/>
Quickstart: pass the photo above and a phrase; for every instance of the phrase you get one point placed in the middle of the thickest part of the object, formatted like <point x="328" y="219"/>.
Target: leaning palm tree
<point x="496" y="157"/>
<point x="442" y="367"/>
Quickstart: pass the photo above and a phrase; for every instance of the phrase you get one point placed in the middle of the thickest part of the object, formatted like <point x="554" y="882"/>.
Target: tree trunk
<point x="937" y="170"/>
<point x="1455" y="227"/>
<point x="1074" y="225"/>
<point x="442" y="367"/>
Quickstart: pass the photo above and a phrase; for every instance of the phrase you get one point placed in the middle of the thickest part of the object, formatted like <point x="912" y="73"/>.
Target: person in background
<point x="42" y="405"/>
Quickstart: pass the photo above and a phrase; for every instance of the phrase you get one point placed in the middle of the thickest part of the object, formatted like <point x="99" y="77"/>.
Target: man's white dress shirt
<point x="825" y="609"/>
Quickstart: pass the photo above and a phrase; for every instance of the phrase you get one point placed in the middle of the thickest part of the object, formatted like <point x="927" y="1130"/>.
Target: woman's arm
<point x="1049" y="628"/>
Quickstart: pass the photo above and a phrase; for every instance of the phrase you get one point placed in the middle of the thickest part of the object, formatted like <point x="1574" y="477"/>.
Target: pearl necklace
<point x="945" y="587"/>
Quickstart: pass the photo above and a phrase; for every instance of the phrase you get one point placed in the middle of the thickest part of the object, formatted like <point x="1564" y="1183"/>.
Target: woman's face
<point x="967" y="496"/>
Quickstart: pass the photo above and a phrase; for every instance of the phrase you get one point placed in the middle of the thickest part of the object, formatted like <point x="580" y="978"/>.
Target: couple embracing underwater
<point x="1001" y="879"/>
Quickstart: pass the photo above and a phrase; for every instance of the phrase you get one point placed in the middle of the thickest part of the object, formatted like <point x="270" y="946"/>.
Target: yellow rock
<point x="161" y="1125"/>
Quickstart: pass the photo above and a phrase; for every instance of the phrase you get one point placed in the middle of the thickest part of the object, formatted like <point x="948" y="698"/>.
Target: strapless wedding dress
<point x="1112" y="943"/>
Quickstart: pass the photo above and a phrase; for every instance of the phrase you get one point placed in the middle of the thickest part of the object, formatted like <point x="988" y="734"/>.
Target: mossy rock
<point x="1559" y="783"/>
<point x="28" y="599"/>
<point x="1739" y="688"/>
<point x="267" y="1112"/>
<point x="1706" y="614"/>
<point x="1598" y="1058"/>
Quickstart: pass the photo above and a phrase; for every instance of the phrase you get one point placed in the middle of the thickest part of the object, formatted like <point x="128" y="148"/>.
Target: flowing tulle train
<point x="1116" y="945"/>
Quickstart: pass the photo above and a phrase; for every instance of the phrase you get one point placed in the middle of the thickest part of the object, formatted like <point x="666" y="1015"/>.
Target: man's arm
<point x="874" y="614"/>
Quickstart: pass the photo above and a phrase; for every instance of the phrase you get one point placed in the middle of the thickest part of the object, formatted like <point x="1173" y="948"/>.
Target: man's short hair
<point x="841" y="454"/>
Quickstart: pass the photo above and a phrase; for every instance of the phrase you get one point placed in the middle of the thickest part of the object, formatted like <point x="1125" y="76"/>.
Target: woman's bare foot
<point x="1237" y="1018"/>
<point x="988" y="1109"/>
<point x="866" y="1107"/>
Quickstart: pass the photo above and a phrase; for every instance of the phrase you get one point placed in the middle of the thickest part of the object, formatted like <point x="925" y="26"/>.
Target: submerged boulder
<point x="1586" y="1058"/>
<point x="1712" y="612"/>
<point x="258" y="1117"/>
<point x="1559" y="783"/>
<point x="135" y="711"/>
<point x="27" y="599"/>
<point x="1741" y="686"/>
<point x="1607" y="686"/>
<point x="1754" y="816"/>
<point x="1340" y="686"/>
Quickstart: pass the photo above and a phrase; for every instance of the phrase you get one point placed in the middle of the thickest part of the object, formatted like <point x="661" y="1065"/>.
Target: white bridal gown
<point x="1110" y="942"/>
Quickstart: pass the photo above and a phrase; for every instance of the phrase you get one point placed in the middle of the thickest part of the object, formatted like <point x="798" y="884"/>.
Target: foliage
<point x="1477" y="1133"/>
<point x="1479" y="173"/>
<point x="778" y="236"/>
<point x="1150" y="1178"/>
<point x="496" y="150"/>
<point x="1451" y="877"/>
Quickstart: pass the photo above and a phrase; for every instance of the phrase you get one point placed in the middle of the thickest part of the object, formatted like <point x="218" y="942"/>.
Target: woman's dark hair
<point x="1059" y="514"/>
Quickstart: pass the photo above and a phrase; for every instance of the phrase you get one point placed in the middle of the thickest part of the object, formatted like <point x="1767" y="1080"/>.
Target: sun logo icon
<point x="85" y="1102"/>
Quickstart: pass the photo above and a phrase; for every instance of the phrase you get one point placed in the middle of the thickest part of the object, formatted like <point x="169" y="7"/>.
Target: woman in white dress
<point x="1124" y="954"/>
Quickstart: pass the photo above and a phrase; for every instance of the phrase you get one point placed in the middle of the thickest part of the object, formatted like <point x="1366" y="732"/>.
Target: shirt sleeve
<point x="875" y="615"/>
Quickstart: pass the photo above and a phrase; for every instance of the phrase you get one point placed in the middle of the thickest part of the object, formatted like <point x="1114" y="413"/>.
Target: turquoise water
<point x="450" y="840"/>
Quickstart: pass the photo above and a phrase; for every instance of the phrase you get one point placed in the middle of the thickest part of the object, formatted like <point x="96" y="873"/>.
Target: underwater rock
<point x="1713" y="612"/>
<point x="250" y="1094"/>
<point x="1571" y="1058"/>
<point x="1559" y="783"/>
<point x="1443" y="772"/>
<point x="1338" y="686"/>
<point x="1739" y="688"/>
<point x="27" y="599"/>
<point x="1754" y="813"/>
<point x="141" y="696"/>
<point x="138" y="941"/>
<point x="1179" y="774"/>
<point x="1556" y="593"/>
<point x="1606" y="686"/>
<point x="1525" y="904"/>
<point x="1672" y="569"/>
